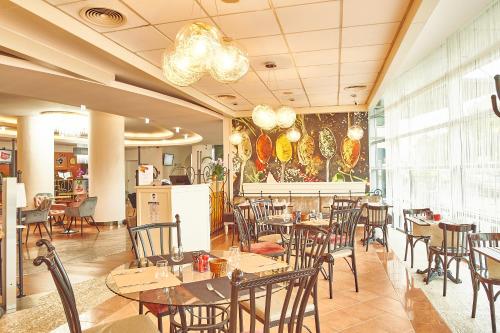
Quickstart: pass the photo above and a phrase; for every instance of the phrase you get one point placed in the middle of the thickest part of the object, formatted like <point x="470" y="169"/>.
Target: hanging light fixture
<point x="264" y="116"/>
<point x="285" y="116"/>
<point x="199" y="48"/>
<point x="235" y="138"/>
<point x="293" y="134"/>
<point x="229" y="64"/>
<point x="355" y="132"/>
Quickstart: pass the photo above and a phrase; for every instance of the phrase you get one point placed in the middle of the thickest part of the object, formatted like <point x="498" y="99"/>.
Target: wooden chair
<point x="284" y="309"/>
<point x="263" y="210"/>
<point x="343" y="229"/>
<point x="85" y="211"/>
<point x="271" y="249"/>
<point x="132" y="198"/>
<point x="377" y="218"/>
<point x="144" y="246"/>
<point x="39" y="217"/>
<point x="480" y="272"/>
<point x="453" y="248"/>
<point x="138" y="323"/>
<point x="411" y="238"/>
<point x="340" y="203"/>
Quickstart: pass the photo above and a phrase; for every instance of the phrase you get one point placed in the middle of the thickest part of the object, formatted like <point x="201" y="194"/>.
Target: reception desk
<point x="191" y="202"/>
<point x="305" y="196"/>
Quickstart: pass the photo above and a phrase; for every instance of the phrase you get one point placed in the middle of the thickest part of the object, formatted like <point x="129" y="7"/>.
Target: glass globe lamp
<point x="230" y="63"/>
<point x="198" y="41"/>
<point x="355" y="132"/>
<point x="178" y="70"/>
<point x="285" y="116"/>
<point x="235" y="138"/>
<point x="293" y="134"/>
<point x="264" y="117"/>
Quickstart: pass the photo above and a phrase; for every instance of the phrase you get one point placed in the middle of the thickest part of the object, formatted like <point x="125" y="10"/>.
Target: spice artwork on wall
<point x="324" y="152"/>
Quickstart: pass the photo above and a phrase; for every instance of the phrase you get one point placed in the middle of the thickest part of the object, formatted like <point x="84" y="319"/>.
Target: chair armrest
<point x="72" y="211"/>
<point x="35" y="215"/>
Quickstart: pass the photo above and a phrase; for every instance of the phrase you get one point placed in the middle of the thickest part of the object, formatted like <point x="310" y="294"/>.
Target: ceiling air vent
<point x="103" y="17"/>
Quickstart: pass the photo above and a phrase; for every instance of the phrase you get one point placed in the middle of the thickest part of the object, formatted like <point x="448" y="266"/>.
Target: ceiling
<point x="320" y="47"/>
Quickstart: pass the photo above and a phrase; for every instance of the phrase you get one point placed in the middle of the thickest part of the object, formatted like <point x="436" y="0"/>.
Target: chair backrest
<point x="376" y="215"/>
<point x="143" y="241"/>
<point x="455" y="238"/>
<point x="87" y="207"/>
<point x="343" y="227"/>
<point x="132" y="197"/>
<point x="478" y="261"/>
<point x="262" y="209"/>
<point x="340" y="203"/>
<point x="415" y="212"/>
<point x="39" y="197"/>
<point x="243" y="230"/>
<point x="299" y="286"/>
<point x="307" y="244"/>
<point x="45" y="204"/>
<point x="63" y="285"/>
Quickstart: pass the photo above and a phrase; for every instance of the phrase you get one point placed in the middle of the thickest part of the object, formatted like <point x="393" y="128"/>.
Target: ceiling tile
<point x="347" y="99"/>
<point x="282" y="3"/>
<point x="318" y="71"/>
<point x="209" y="86"/>
<point x="140" y="39"/>
<point x="326" y="99"/>
<point x="368" y="78"/>
<point x="360" y="67"/>
<point x="133" y="20"/>
<point x="284" y="84"/>
<point x="320" y="82"/>
<point x="282" y="61"/>
<point x="373" y="11"/>
<point x="278" y="74"/>
<point x="264" y="45"/>
<point x="297" y="100"/>
<point x="369" y="34"/>
<point x="59" y="2"/>
<point x="365" y="53"/>
<point x="313" y="40"/>
<point x="251" y="86"/>
<point x="324" y="15"/>
<point x="170" y="29"/>
<point x="218" y="7"/>
<point x="250" y="24"/>
<point x="161" y="11"/>
<point x="323" y="57"/>
<point x="153" y="56"/>
<point x="272" y="101"/>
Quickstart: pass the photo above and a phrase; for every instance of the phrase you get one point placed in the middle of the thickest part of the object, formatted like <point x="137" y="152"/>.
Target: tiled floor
<point x="386" y="301"/>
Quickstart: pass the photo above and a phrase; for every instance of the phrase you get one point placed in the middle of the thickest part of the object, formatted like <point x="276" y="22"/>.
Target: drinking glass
<point x="286" y="217"/>
<point x="176" y="254"/>
<point x="233" y="261"/>
<point x="161" y="269"/>
<point x="312" y="214"/>
<point x="319" y="216"/>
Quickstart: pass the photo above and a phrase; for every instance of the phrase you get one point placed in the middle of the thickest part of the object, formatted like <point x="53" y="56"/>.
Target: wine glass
<point x="233" y="261"/>
<point x="176" y="254"/>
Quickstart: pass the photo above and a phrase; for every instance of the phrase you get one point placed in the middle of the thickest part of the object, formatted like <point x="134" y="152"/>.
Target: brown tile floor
<point x="386" y="302"/>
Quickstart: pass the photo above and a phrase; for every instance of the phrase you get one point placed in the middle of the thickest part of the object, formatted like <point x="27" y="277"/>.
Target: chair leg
<point x="445" y="269"/>
<point x="366" y="237"/>
<point x="50" y="225"/>
<point x="160" y="324"/>
<point x="39" y="229"/>
<point x="330" y="277"/>
<point x="406" y="247"/>
<point x="475" y="290"/>
<point x="412" y="245"/>
<point x="240" y="315"/>
<point x="27" y="234"/>
<point x="354" y="270"/>
<point x="386" y="238"/>
<point x="141" y="308"/>
<point x="458" y="270"/>
<point x="95" y="224"/>
<point x="316" y="309"/>
<point x="81" y="225"/>
<point x="47" y="230"/>
<point x="491" y="298"/>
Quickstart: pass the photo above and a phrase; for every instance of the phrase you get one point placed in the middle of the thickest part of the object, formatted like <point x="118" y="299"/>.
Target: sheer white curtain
<point x="442" y="138"/>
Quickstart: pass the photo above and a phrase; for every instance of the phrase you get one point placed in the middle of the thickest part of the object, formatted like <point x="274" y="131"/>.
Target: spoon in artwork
<point x="244" y="153"/>
<point x="327" y="148"/>
<point x="283" y="153"/>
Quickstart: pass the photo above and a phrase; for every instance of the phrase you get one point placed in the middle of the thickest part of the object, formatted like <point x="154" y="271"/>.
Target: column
<point x="35" y="155"/>
<point x="107" y="165"/>
<point x="227" y="147"/>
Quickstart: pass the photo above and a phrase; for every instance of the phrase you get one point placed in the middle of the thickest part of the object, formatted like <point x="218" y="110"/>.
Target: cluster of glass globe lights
<point x="200" y="49"/>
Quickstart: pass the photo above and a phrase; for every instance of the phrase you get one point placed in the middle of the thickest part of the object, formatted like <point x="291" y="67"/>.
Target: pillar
<point x="227" y="129"/>
<point x="107" y="165"/>
<point x="35" y="155"/>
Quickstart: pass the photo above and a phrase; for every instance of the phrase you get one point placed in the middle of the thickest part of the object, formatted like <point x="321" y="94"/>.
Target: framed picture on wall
<point x="61" y="161"/>
<point x="5" y="156"/>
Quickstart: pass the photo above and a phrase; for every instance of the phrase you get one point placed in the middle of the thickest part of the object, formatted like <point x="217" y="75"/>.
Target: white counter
<point x="191" y="202"/>
<point x="304" y="189"/>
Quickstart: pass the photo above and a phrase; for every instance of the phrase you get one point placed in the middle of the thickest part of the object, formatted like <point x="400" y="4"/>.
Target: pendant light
<point x="293" y="134"/>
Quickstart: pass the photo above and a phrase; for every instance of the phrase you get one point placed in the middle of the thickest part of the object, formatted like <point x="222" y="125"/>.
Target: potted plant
<point x="217" y="169"/>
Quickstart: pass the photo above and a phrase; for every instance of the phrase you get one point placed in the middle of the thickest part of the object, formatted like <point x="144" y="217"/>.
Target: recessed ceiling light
<point x="235" y="103"/>
<point x="270" y="64"/>
<point x="291" y="99"/>
<point x="287" y="92"/>
<point x="146" y="120"/>
<point x="185" y="136"/>
<point x="226" y="96"/>
<point x="83" y="108"/>
<point x="177" y="129"/>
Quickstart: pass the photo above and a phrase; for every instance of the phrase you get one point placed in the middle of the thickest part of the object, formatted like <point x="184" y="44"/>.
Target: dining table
<point x="428" y="227"/>
<point x="492" y="254"/>
<point x="185" y="288"/>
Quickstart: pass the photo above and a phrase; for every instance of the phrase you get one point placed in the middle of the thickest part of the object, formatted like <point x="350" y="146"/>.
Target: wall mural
<point x="323" y="153"/>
